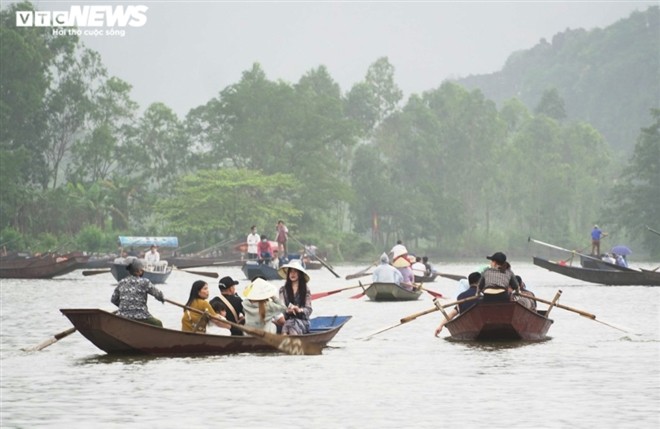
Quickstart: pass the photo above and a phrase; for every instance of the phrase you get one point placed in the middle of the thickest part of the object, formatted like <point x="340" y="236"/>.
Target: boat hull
<point x="605" y="277"/>
<point x="38" y="267"/>
<point x="426" y="279"/>
<point x="253" y="270"/>
<point x="116" y="335"/>
<point x="119" y="272"/>
<point x="391" y="292"/>
<point x="502" y="321"/>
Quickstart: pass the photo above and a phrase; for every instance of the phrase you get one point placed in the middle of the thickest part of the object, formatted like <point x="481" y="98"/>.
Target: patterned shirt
<point x="495" y="278"/>
<point x="130" y="296"/>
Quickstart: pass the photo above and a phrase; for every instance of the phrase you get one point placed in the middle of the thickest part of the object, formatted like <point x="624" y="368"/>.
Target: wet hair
<point x="520" y="282"/>
<point x="194" y="291"/>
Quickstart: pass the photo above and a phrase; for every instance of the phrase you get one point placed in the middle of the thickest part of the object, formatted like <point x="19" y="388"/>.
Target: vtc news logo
<point x="85" y="16"/>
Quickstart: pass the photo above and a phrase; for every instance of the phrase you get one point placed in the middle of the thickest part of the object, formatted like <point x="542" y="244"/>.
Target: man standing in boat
<point x="282" y="238"/>
<point x="252" y="243"/>
<point x="596" y="235"/>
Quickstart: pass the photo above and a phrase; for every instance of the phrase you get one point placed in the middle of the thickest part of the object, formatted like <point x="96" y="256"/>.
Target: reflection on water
<point x="404" y="377"/>
<point x="496" y="345"/>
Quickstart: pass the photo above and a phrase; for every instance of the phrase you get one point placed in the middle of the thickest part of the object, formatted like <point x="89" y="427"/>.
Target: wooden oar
<point x="575" y="310"/>
<point x="228" y="262"/>
<point x="575" y="252"/>
<point x="332" y="292"/>
<point x="414" y="316"/>
<point x="95" y="272"/>
<point x="199" y="273"/>
<point x="284" y="343"/>
<point x="361" y="273"/>
<point x="652" y="230"/>
<point x="361" y="294"/>
<point x="456" y="277"/>
<point x="316" y="257"/>
<point x="52" y="340"/>
<point x="433" y="293"/>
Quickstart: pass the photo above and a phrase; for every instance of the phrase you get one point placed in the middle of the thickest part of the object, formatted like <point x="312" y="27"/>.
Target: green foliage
<point x="225" y="201"/>
<point x="93" y="239"/>
<point x="11" y="240"/>
<point x="606" y="77"/>
<point x="445" y="171"/>
<point x="635" y="203"/>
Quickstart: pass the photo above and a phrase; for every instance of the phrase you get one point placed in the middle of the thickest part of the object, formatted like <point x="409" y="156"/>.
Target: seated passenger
<point x="385" y="273"/>
<point x="261" y="306"/>
<point x="498" y="281"/>
<point x="192" y="321"/>
<point x="472" y="290"/>
<point x="524" y="293"/>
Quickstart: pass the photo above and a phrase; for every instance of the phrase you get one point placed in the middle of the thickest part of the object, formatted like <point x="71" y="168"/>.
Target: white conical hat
<point x="259" y="289"/>
<point x="296" y="265"/>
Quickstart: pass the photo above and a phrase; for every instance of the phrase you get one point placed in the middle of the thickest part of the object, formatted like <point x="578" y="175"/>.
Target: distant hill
<point x="608" y="77"/>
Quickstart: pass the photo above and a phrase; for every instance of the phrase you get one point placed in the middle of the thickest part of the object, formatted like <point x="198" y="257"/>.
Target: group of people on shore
<point x="286" y="311"/>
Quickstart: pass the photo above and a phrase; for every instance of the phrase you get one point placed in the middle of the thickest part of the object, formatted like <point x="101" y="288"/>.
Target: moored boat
<point x="499" y="321"/>
<point x="628" y="277"/>
<point x="39" y="267"/>
<point x="117" y="335"/>
<point x="391" y="292"/>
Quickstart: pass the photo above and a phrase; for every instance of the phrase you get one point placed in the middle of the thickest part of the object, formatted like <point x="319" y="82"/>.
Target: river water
<point x="587" y="375"/>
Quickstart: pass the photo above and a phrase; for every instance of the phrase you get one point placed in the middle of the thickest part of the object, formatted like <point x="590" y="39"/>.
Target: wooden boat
<point x="426" y="279"/>
<point x="116" y="335"/>
<point x="598" y="264"/>
<point x="119" y="271"/>
<point x="253" y="269"/>
<point x="391" y="292"/>
<point x="628" y="277"/>
<point x="499" y="321"/>
<point x="38" y="267"/>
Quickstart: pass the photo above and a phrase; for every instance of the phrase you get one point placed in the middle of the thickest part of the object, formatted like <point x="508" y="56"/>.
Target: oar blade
<point x="50" y="341"/>
<point x="94" y="272"/>
<point x="284" y="343"/>
<point x="203" y="273"/>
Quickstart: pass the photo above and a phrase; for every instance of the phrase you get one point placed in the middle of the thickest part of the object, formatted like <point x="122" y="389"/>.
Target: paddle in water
<point x="287" y="344"/>
<point x="438" y="307"/>
<point x="332" y="292"/>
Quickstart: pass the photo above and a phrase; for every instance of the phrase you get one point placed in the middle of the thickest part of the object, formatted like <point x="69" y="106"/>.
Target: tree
<point x="551" y="105"/>
<point x="369" y="102"/>
<point x="228" y="200"/>
<point x="634" y="203"/>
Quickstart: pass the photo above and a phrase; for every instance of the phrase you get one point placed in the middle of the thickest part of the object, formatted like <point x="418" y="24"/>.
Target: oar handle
<point x="565" y="307"/>
<point x="437" y="308"/>
<point x="416" y="315"/>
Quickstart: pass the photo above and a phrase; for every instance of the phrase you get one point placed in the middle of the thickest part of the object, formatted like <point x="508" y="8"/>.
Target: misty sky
<point x="187" y="52"/>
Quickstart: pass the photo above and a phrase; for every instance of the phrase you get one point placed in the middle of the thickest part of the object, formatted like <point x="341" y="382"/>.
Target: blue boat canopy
<point x="148" y="241"/>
